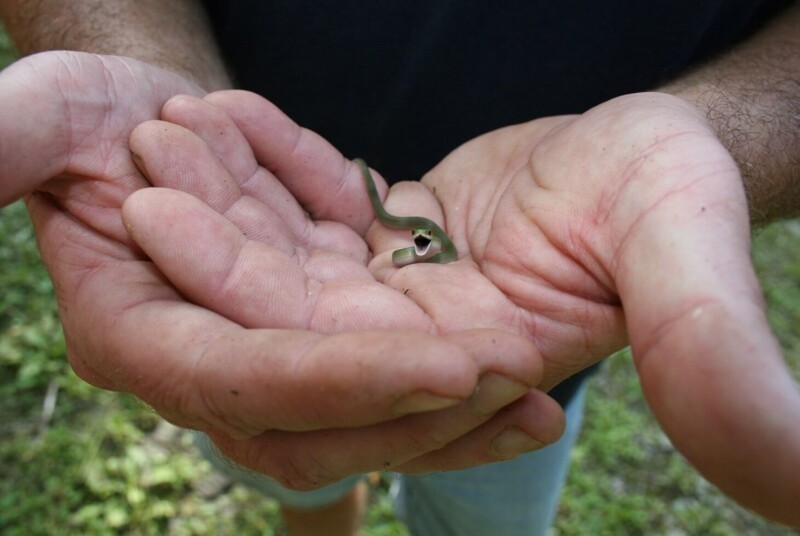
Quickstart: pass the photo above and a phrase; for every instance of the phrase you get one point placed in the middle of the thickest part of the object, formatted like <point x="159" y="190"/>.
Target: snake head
<point x="426" y="246"/>
<point x="423" y="238"/>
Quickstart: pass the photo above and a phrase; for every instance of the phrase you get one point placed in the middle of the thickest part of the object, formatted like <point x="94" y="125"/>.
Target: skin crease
<point x="563" y="253"/>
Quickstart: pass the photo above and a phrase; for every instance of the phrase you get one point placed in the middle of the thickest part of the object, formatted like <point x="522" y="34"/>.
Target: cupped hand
<point x="574" y="232"/>
<point x="341" y="356"/>
<point x="64" y="135"/>
<point x="632" y="218"/>
<point x="65" y="119"/>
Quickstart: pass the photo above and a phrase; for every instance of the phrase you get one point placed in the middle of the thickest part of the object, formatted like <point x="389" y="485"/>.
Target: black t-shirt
<point x="403" y="83"/>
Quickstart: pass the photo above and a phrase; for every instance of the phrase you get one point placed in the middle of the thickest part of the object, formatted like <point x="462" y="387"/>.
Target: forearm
<point x="751" y="97"/>
<point x="172" y="34"/>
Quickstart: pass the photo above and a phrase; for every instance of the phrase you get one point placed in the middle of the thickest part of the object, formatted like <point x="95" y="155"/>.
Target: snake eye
<point x="422" y="241"/>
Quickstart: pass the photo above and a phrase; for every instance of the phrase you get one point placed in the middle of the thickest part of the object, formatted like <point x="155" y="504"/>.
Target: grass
<point x="78" y="460"/>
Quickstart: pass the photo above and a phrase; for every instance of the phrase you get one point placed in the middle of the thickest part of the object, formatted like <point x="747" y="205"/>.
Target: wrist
<point x="751" y="99"/>
<point x="759" y="130"/>
<point x="172" y="35"/>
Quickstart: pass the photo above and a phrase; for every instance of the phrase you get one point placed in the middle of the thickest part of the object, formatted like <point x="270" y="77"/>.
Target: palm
<point x="538" y="208"/>
<point x="516" y="203"/>
<point x="537" y="214"/>
<point x="324" y="285"/>
<point x="572" y="231"/>
<point x="67" y="141"/>
<point x="258" y="261"/>
<point x="548" y="208"/>
<point x="631" y="219"/>
<point x="67" y="120"/>
<point x="534" y="209"/>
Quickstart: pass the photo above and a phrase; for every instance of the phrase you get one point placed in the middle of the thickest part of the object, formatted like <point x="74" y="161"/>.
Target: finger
<point x="41" y="130"/>
<point x="313" y="459"/>
<point x="217" y="129"/>
<point x="223" y="139"/>
<point x="217" y="266"/>
<point x="531" y="423"/>
<point x="56" y="100"/>
<point x="710" y="367"/>
<point x="384" y="370"/>
<point x="245" y="193"/>
<point x="191" y="167"/>
<point x="403" y="199"/>
<point x="437" y="289"/>
<point x="326" y="184"/>
<point x="203" y="371"/>
<point x="174" y="157"/>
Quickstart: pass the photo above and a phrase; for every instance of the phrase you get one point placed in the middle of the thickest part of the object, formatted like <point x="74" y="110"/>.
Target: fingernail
<point x="137" y="159"/>
<point x="139" y="162"/>
<point x="422" y="401"/>
<point x="495" y="391"/>
<point x="512" y="442"/>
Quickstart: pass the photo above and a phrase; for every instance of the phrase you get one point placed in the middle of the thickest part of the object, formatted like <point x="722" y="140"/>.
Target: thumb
<point x="61" y="110"/>
<point x="710" y="367"/>
<point x="326" y="184"/>
<point x="34" y="126"/>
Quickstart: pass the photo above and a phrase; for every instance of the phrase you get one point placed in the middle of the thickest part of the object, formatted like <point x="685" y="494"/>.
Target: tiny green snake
<point x="431" y="244"/>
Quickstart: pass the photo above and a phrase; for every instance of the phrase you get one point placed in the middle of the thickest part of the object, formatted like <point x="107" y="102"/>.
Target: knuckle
<point x="300" y="473"/>
<point x="425" y="438"/>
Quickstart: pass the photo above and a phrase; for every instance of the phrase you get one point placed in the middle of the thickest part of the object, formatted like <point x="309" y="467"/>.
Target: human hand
<point x="574" y="231"/>
<point x="64" y="123"/>
<point x="65" y="129"/>
<point x="242" y="246"/>
<point x="632" y="217"/>
<point x="128" y="329"/>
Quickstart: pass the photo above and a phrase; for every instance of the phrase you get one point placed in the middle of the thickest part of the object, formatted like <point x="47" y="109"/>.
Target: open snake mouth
<point x="422" y="243"/>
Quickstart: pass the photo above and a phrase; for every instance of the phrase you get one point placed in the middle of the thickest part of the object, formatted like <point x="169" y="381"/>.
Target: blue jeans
<point x="517" y="497"/>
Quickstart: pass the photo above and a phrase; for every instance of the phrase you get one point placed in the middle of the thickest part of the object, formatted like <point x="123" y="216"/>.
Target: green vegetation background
<point x="77" y="460"/>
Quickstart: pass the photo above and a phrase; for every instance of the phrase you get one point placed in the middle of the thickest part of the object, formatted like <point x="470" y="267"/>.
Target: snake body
<point x="431" y="243"/>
